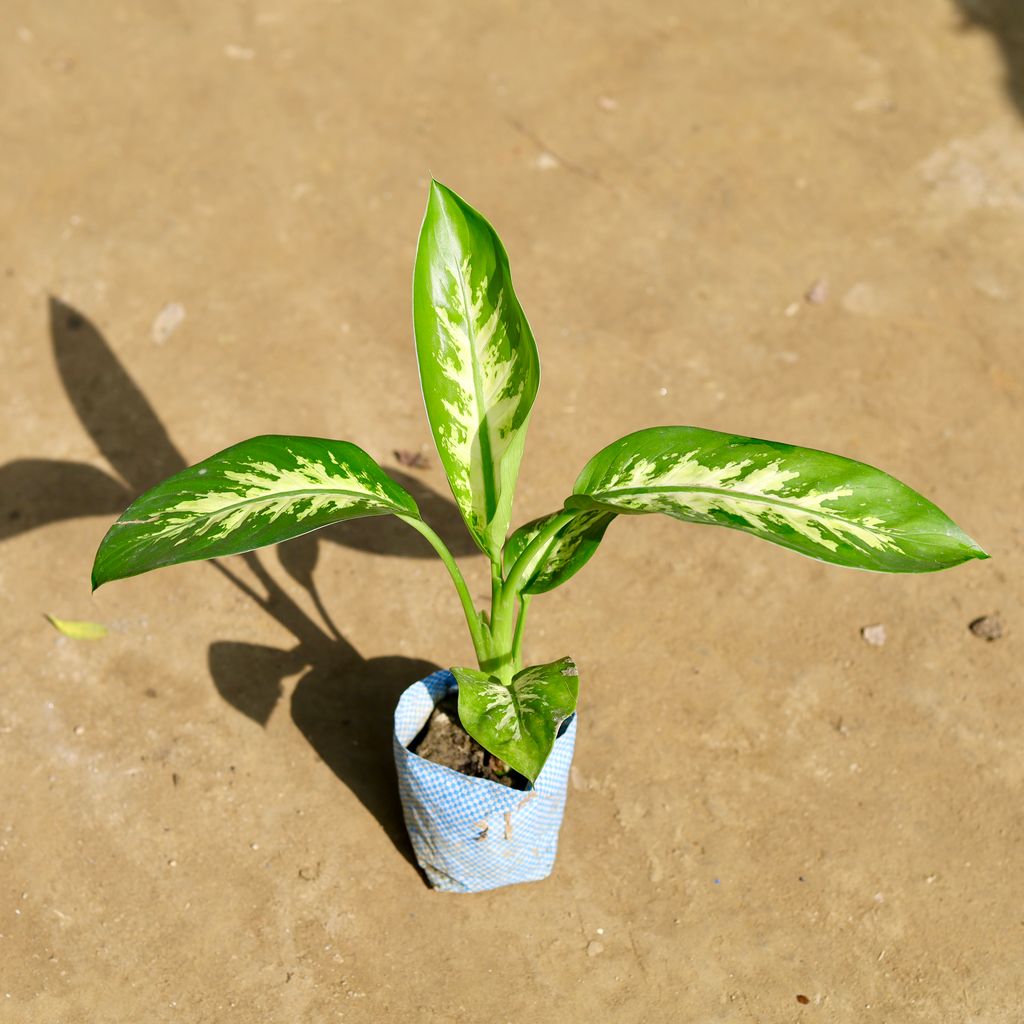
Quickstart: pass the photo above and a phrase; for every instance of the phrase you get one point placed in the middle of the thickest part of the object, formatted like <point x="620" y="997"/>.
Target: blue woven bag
<point x="473" y="834"/>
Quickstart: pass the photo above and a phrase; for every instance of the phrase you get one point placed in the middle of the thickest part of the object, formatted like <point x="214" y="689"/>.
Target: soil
<point x="199" y="819"/>
<point x="444" y="741"/>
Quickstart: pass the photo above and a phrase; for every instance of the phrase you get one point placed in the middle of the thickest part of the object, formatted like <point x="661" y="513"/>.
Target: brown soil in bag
<point x="444" y="741"/>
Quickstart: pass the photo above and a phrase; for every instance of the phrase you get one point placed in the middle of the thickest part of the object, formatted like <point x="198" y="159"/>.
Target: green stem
<point x="472" y="618"/>
<point x="517" y="640"/>
<point x="496" y="583"/>
<point x="500" y="647"/>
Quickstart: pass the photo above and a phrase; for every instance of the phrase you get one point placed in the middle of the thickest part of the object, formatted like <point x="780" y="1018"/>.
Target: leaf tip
<point x="446" y="201"/>
<point x="97" y="577"/>
<point x="970" y="547"/>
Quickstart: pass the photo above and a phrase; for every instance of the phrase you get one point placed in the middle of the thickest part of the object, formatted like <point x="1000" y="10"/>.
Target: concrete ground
<point x="209" y="215"/>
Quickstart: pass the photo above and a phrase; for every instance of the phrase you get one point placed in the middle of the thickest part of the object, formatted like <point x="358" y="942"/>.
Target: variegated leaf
<point x="518" y="722"/>
<point x="560" y="558"/>
<point x="259" y="492"/>
<point x="822" y="505"/>
<point x="478" y="362"/>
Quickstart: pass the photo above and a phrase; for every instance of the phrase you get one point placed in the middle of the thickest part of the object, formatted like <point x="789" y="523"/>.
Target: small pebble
<point x="595" y="948"/>
<point x="874" y="634"/>
<point x="79" y="730"/>
<point x="987" y="627"/>
<point x="817" y="294"/>
<point x="802" y="1000"/>
<point x="167" y="321"/>
<point x="546" y="162"/>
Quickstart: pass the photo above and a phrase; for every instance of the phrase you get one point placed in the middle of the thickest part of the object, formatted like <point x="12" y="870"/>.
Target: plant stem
<point x="472" y="618"/>
<point x="517" y="640"/>
<point x="496" y="583"/>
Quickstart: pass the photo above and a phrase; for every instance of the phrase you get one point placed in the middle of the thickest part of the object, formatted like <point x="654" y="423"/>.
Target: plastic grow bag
<point x="471" y="834"/>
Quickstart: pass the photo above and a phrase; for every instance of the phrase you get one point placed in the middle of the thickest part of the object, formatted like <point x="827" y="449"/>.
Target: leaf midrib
<point x="304" y="492"/>
<point x="759" y="499"/>
<point x="483" y="433"/>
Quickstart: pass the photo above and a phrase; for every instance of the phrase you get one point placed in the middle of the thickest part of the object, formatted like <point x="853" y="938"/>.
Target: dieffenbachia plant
<point x="479" y="372"/>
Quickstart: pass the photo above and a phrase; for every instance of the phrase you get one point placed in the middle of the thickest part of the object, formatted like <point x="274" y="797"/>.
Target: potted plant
<point x="479" y="372"/>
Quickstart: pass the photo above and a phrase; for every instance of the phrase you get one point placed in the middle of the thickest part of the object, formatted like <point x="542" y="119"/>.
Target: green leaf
<point x="822" y="505"/>
<point x="518" y="722"/>
<point x="259" y="492"/>
<point x="479" y="368"/>
<point x="77" y="630"/>
<point x="563" y="555"/>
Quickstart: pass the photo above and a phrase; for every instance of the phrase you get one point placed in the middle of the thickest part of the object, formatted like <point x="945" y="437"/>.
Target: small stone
<point x="987" y="627"/>
<point x="874" y="634"/>
<point x="79" y="730"/>
<point x="167" y="321"/>
<point x="546" y="162"/>
<point x="595" y="948"/>
<point x="802" y="1000"/>
<point x="817" y="294"/>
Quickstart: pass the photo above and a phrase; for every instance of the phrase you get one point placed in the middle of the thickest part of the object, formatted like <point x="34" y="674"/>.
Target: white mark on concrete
<point x="167" y="321"/>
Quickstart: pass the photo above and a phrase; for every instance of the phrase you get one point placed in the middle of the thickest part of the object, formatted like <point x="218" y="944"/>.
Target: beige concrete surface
<point x="198" y="820"/>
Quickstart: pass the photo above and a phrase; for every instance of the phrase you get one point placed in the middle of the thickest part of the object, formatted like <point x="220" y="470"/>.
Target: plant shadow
<point x="342" y="703"/>
<point x="1005" y="20"/>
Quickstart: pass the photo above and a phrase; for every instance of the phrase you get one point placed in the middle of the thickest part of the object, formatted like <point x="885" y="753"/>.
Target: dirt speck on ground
<point x="987" y="627"/>
<point x="875" y="634"/>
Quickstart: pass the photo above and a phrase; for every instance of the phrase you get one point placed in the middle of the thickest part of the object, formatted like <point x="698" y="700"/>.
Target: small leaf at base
<point x="518" y="722"/>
